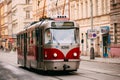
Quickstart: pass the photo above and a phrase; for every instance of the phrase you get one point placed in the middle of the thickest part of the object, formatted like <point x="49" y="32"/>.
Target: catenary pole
<point x="92" y="56"/>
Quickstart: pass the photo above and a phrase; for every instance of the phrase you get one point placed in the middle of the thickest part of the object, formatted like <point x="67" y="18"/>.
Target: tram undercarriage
<point x="52" y="65"/>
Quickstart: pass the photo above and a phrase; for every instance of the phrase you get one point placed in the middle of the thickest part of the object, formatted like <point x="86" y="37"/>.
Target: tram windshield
<point x="60" y="36"/>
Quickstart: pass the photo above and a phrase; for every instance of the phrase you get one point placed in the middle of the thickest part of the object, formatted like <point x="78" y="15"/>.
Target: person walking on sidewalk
<point x="1" y="47"/>
<point x="92" y="54"/>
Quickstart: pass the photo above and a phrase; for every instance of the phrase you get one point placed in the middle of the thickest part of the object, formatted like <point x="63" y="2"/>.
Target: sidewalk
<point x="83" y="58"/>
<point x="104" y="60"/>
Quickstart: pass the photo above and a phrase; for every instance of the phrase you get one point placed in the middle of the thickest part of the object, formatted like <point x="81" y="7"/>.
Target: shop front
<point x="105" y="41"/>
<point x="12" y="44"/>
<point x="101" y="42"/>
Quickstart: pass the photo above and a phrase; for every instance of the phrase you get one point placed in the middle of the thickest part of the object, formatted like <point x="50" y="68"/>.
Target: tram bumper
<point x="71" y="65"/>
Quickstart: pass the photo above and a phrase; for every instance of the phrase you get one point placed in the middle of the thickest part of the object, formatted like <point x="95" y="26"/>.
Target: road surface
<point x="10" y="70"/>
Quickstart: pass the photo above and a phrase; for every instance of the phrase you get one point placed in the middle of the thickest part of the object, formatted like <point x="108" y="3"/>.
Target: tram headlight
<point x="75" y="54"/>
<point x="55" y="55"/>
<point x="45" y="55"/>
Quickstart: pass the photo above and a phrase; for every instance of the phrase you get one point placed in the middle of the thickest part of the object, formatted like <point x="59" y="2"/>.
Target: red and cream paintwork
<point x="62" y="57"/>
<point x="34" y="52"/>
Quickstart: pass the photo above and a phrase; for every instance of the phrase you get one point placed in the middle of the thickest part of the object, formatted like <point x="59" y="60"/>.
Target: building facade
<point x="58" y="7"/>
<point x="39" y="9"/>
<point x="101" y="23"/>
<point x="3" y="24"/>
<point x="50" y="8"/>
<point x="21" y="16"/>
<point x="80" y="11"/>
<point x="16" y="15"/>
<point x="115" y="28"/>
<point x="0" y="24"/>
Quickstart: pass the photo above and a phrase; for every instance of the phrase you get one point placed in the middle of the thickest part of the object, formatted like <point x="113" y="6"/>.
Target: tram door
<point x="105" y="45"/>
<point x="97" y="46"/>
<point x="25" y="48"/>
<point x="39" y="44"/>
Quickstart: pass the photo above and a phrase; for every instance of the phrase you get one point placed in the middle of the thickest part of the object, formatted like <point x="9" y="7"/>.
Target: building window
<point x="72" y="9"/>
<point x="81" y="10"/>
<point x="106" y="5"/>
<point x="38" y="2"/>
<point x="27" y="14"/>
<point x="96" y="5"/>
<point x="115" y="32"/>
<point x="114" y="1"/>
<point x="77" y="10"/>
<point x="28" y="1"/>
<point x="86" y="4"/>
<point x="103" y="4"/>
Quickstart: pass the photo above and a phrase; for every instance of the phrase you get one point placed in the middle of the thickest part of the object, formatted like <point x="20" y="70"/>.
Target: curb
<point x="109" y="62"/>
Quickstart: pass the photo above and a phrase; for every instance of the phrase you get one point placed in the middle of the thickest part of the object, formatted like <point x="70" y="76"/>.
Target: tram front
<point x="61" y="51"/>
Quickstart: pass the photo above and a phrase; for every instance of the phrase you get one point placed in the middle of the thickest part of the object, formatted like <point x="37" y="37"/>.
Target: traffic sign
<point x="92" y="33"/>
<point x="104" y="29"/>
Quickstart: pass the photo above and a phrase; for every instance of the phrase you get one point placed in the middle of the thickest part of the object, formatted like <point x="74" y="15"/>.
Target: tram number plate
<point x="66" y="60"/>
<point x="64" y="47"/>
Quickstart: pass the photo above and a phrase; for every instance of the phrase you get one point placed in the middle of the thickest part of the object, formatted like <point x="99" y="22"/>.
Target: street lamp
<point x="92" y="56"/>
<point x="91" y="6"/>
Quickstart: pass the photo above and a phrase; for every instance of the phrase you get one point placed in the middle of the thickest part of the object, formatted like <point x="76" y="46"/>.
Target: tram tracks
<point x="103" y="72"/>
<point x="83" y="74"/>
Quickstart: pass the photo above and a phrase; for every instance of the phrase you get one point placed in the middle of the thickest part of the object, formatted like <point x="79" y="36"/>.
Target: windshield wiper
<point x="56" y="40"/>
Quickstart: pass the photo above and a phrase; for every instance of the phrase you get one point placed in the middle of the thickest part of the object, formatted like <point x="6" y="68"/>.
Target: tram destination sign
<point x="62" y="24"/>
<point x="92" y="33"/>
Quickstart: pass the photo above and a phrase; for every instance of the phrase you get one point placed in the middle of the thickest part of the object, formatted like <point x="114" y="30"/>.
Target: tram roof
<point x="43" y="23"/>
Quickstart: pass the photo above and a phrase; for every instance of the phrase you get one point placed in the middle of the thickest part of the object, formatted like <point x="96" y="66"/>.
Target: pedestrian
<point x="92" y="54"/>
<point x="2" y="47"/>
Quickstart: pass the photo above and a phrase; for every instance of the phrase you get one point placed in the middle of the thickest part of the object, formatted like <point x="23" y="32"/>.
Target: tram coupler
<point x="65" y="66"/>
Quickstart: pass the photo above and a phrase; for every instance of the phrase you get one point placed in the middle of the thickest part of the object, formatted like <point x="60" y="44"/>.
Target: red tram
<point x="50" y="44"/>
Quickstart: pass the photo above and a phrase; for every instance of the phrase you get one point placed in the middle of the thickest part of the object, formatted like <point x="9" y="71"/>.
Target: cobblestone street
<point x="97" y="69"/>
<point x="6" y="74"/>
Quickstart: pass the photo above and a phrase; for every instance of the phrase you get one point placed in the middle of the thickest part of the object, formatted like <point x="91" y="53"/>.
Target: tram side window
<point x="48" y="38"/>
<point x="37" y="36"/>
<point x="28" y="40"/>
<point x="77" y="38"/>
<point x="22" y="42"/>
<point x="18" y="40"/>
<point x="32" y="37"/>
